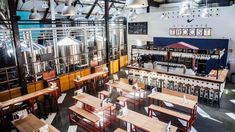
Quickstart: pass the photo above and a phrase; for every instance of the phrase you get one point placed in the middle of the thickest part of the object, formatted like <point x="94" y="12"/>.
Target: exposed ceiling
<point x="85" y="8"/>
<point x="199" y="2"/>
<point x="95" y="8"/>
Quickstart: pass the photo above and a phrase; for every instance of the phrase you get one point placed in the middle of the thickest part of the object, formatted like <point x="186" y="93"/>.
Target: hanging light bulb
<point x="186" y="8"/>
<point x="116" y="14"/>
<point x="68" y="9"/>
<point x="34" y="14"/>
<point x="80" y="11"/>
<point x="136" y="3"/>
<point x="163" y="16"/>
<point x="132" y="15"/>
<point x="205" y="12"/>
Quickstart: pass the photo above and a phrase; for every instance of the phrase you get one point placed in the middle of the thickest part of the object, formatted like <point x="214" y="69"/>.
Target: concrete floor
<point x="209" y="119"/>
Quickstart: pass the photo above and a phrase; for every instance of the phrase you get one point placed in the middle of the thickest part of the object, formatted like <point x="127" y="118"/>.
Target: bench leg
<point x="148" y="101"/>
<point x="148" y="112"/>
<point x="118" y="122"/>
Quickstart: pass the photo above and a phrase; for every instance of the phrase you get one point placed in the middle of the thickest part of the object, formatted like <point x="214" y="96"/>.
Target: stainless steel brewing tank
<point x="69" y="54"/>
<point x="69" y="50"/>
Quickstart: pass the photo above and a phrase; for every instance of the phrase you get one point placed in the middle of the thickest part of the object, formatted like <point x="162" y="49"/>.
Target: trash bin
<point x="233" y="77"/>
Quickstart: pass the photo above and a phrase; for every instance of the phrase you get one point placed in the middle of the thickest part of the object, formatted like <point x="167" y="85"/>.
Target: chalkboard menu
<point x="138" y="28"/>
<point x="46" y="57"/>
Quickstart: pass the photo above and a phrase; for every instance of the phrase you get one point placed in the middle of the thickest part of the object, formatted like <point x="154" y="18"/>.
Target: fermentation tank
<point x="69" y="50"/>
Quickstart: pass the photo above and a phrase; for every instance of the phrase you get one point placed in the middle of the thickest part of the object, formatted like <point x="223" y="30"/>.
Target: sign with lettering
<point x="190" y="31"/>
<point x="138" y="28"/>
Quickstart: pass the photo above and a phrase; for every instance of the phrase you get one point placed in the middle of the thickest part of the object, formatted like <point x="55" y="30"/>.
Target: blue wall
<point x="24" y="15"/>
<point x="209" y="44"/>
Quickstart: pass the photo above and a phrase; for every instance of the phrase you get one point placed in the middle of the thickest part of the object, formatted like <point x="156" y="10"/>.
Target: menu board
<point x="138" y="28"/>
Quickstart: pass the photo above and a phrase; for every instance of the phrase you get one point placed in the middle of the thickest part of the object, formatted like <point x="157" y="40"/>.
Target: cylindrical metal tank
<point x="69" y="50"/>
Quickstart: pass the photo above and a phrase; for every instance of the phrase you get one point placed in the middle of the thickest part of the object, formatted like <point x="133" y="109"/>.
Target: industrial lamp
<point x="68" y="9"/>
<point x="205" y="12"/>
<point x="34" y="15"/>
<point x="136" y="3"/>
<point x="186" y="8"/>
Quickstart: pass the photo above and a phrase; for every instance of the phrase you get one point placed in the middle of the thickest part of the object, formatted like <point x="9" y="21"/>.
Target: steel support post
<point x="106" y="19"/>
<point x="16" y="38"/>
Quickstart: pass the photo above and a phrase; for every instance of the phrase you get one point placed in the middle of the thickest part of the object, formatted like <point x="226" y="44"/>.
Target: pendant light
<point x="68" y="9"/>
<point x="34" y="14"/>
<point x="132" y="15"/>
<point x="164" y="16"/>
<point x="205" y="12"/>
<point x="186" y="8"/>
<point x="136" y="3"/>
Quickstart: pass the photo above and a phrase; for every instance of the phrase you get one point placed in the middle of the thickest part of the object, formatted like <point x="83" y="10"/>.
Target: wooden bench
<point x="172" y="113"/>
<point x="179" y="94"/>
<point x="124" y="80"/>
<point x="119" y="130"/>
<point x="106" y="93"/>
<point x="103" y="93"/>
<point x="78" y="112"/>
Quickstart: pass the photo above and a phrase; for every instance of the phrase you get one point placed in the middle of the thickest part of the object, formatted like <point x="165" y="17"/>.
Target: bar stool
<point x="175" y="87"/>
<point x="201" y="94"/>
<point x="192" y="90"/>
<point x="206" y="94"/>
<point x="170" y="85"/>
<point x="160" y="84"/>
<point x="216" y="97"/>
<point x="184" y="88"/>
<point x="137" y="77"/>
<point x="188" y="87"/>
<point x="180" y="87"/>
<point x="130" y="76"/>
<point x="153" y="82"/>
<point x="145" y="80"/>
<point x="196" y="91"/>
<point x="211" y="96"/>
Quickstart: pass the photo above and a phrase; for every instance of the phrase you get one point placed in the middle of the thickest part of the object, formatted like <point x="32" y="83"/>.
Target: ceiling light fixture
<point x="136" y="3"/>
<point x="186" y="8"/>
<point x="68" y="9"/>
<point x="34" y="14"/>
<point x="205" y="12"/>
<point x="132" y="15"/>
<point x="163" y="16"/>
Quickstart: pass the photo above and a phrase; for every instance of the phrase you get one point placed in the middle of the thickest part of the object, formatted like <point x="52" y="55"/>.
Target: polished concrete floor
<point x="209" y="118"/>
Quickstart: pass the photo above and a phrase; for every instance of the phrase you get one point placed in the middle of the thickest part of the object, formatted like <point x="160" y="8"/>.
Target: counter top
<point x="222" y="74"/>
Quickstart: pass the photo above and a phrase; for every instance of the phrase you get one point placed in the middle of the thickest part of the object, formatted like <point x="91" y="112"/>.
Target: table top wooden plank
<point x="91" y="76"/>
<point x="27" y="97"/>
<point x="122" y="86"/>
<point x="51" y="128"/>
<point x="144" y="122"/>
<point x="104" y="92"/>
<point x="221" y="79"/>
<point x="170" y="112"/>
<point x="84" y="113"/>
<point x="28" y="124"/>
<point x="119" y="130"/>
<point x="91" y="101"/>
<point x="173" y="99"/>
